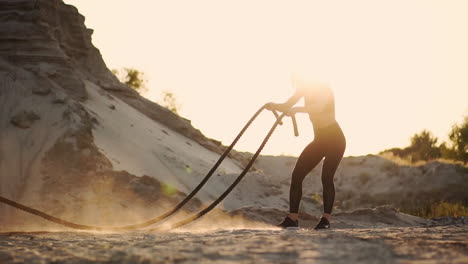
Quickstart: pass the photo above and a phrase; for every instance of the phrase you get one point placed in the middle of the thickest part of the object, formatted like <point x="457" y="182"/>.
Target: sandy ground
<point x="441" y="244"/>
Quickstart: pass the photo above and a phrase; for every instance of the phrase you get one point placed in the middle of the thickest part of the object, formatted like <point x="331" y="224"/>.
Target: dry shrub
<point x="390" y="167"/>
<point x="399" y="160"/>
<point x="364" y="178"/>
<point x="439" y="209"/>
<point x="315" y="198"/>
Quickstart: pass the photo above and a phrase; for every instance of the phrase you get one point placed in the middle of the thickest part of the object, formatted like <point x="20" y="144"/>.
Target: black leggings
<point x="328" y="143"/>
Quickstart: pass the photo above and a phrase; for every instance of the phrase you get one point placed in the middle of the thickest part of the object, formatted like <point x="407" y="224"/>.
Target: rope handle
<point x="277" y="116"/>
<point x="293" y="118"/>
<point x="296" y="131"/>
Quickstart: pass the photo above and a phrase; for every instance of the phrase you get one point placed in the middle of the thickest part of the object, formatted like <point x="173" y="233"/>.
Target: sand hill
<point x="73" y="138"/>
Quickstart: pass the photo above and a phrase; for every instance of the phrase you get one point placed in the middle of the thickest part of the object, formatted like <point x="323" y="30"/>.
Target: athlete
<point x="329" y="144"/>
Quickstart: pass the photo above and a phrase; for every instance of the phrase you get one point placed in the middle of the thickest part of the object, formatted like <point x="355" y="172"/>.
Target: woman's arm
<point x="286" y="106"/>
<point x="300" y="109"/>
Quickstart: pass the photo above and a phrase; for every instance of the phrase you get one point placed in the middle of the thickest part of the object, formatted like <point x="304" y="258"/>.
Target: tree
<point x="423" y="146"/>
<point x="132" y="77"/>
<point x="447" y="152"/>
<point x="135" y="79"/>
<point x="170" y="102"/>
<point x="459" y="138"/>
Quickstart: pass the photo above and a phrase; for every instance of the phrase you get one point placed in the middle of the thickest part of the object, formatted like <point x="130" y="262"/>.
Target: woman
<point x="329" y="144"/>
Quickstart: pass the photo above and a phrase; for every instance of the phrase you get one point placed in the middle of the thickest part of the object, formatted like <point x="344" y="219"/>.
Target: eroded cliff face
<point x="48" y="155"/>
<point x="49" y="39"/>
<point x="45" y="54"/>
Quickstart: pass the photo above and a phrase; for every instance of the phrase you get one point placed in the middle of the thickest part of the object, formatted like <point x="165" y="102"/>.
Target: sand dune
<point x="136" y="144"/>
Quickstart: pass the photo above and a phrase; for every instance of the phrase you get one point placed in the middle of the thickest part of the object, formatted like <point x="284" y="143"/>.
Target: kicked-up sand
<point x="436" y="244"/>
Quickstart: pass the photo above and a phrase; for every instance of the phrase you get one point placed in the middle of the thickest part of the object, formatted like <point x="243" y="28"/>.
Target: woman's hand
<point x="270" y="106"/>
<point x="277" y="107"/>
<point x="292" y="111"/>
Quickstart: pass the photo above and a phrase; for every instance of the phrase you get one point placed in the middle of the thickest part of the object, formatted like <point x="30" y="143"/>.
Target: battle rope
<point x="233" y="185"/>
<point x="171" y="211"/>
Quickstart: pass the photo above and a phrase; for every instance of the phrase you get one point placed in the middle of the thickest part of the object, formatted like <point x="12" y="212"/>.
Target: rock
<point x="59" y="100"/>
<point x="41" y="89"/>
<point x="42" y="85"/>
<point x="5" y="257"/>
<point x="24" y="119"/>
<point x="73" y="85"/>
<point x="60" y="96"/>
<point x="451" y="220"/>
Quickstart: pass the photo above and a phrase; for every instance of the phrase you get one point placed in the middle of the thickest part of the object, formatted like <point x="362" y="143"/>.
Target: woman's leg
<point x="330" y="164"/>
<point x="308" y="159"/>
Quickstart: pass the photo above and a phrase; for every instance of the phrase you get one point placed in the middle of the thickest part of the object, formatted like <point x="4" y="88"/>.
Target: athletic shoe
<point x="323" y="224"/>
<point x="288" y="222"/>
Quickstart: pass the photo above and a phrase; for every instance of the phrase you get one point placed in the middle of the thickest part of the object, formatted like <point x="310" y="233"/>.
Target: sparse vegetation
<point x="390" y="167"/>
<point x="168" y="190"/>
<point x="135" y="79"/>
<point x="353" y="161"/>
<point x="424" y="147"/>
<point x="364" y="178"/>
<point x="170" y="102"/>
<point x="439" y="209"/>
<point x="317" y="198"/>
<point x="347" y="195"/>
<point x="459" y="138"/>
<point x="132" y="77"/>
<point x="188" y="169"/>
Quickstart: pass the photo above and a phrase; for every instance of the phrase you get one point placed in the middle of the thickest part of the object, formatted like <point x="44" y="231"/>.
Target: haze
<point x="397" y="67"/>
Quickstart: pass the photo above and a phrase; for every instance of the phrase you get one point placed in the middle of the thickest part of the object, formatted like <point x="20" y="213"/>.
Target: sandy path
<point x="443" y="244"/>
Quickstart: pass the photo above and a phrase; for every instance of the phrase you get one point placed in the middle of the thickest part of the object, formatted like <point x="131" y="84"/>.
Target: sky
<point x="396" y="67"/>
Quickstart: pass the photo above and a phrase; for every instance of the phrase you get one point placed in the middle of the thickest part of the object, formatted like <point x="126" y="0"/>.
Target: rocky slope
<point x="371" y="180"/>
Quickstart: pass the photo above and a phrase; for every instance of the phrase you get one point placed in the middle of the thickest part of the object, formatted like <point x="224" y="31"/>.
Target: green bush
<point x="132" y="77"/>
<point x="459" y="138"/>
<point x="170" y="102"/>
<point x="424" y="147"/>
